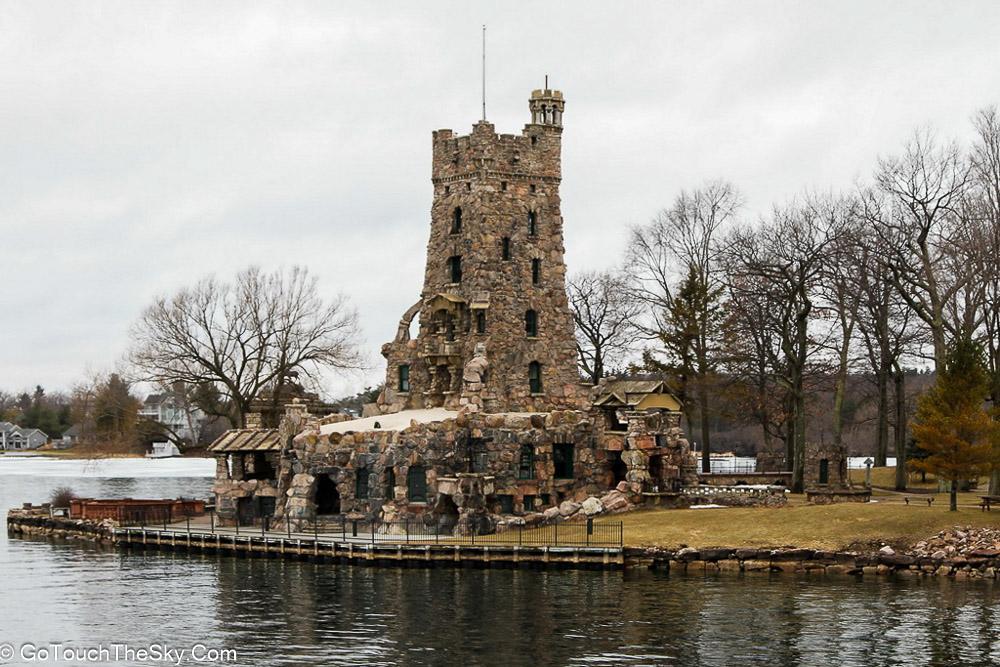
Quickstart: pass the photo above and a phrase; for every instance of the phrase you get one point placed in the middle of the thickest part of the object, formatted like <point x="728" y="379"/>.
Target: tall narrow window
<point x="526" y="462"/>
<point x="416" y="484"/>
<point x="404" y="377"/>
<point x="562" y="460"/>
<point x="361" y="484"/>
<point x="505" y="244"/>
<point x="535" y="377"/>
<point x="536" y="271"/>
<point x="455" y="269"/>
<point x="456" y="220"/>
<point x="480" y="321"/>
<point x="531" y="323"/>
<point x="390" y="483"/>
<point x="532" y="223"/>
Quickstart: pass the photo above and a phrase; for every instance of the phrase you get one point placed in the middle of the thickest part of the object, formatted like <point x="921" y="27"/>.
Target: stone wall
<point x="476" y="467"/>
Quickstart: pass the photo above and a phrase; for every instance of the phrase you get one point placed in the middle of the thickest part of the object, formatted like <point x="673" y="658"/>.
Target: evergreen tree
<point x="952" y="424"/>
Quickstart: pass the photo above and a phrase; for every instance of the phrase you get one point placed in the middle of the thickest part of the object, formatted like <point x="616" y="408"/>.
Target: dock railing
<point x="343" y="529"/>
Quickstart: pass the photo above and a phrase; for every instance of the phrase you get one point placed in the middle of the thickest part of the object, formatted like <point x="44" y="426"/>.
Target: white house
<point x="16" y="438"/>
<point x="173" y="412"/>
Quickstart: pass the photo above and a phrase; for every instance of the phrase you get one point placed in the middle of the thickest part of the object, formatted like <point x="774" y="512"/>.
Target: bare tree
<point x="679" y="248"/>
<point x="780" y="263"/>
<point x="243" y="336"/>
<point x="605" y="311"/>
<point x="922" y="229"/>
<point x="985" y="158"/>
<point x="842" y="264"/>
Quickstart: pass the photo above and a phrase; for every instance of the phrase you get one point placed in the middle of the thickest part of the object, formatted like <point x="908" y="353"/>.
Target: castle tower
<point x="495" y="276"/>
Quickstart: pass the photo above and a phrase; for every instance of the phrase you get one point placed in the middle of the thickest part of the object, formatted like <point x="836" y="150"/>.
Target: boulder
<point x="592" y="506"/>
<point x="568" y="508"/>
<point x="551" y="513"/>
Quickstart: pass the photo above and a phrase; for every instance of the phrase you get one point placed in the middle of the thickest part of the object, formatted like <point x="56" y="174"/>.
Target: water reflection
<point x="289" y="613"/>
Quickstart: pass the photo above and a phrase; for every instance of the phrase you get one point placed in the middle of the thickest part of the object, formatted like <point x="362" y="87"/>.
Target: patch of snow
<point x="710" y="506"/>
<point x="395" y="421"/>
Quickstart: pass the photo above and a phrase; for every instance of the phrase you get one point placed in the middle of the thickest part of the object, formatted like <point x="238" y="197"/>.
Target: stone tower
<point x="493" y="309"/>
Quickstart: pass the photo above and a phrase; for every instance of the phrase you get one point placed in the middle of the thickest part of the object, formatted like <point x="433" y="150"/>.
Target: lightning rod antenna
<point x="484" y="71"/>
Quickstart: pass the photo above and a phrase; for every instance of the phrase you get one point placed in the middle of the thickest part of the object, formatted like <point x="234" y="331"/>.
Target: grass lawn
<point x="886" y="477"/>
<point x="839" y="526"/>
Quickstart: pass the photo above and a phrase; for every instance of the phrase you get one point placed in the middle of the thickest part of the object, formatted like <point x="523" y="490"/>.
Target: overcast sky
<point x="143" y="145"/>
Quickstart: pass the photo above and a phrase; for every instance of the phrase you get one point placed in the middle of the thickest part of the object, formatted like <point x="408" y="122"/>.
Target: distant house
<point x="70" y="437"/>
<point x="17" y="438"/>
<point x="168" y="409"/>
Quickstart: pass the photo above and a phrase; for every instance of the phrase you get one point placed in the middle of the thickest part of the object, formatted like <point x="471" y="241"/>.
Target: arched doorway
<point x="618" y="468"/>
<point x="446" y="512"/>
<point x="327" y="497"/>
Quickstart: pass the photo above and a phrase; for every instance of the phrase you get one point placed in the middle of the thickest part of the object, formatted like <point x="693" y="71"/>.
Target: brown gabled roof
<point x="247" y="440"/>
<point x="630" y="392"/>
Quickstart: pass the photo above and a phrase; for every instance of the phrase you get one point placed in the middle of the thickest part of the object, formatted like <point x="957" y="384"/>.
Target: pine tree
<point x="952" y="424"/>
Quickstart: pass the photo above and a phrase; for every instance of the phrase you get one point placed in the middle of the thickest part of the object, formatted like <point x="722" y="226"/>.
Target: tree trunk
<point x="953" y="496"/>
<point x="900" y="434"/>
<point x="706" y="454"/>
<point x="799" y="467"/>
<point x="790" y="435"/>
<point x="994" y="488"/>
<point x="882" y="431"/>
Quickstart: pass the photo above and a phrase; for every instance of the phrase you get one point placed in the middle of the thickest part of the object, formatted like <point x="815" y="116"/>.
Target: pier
<point x="581" y="546"/>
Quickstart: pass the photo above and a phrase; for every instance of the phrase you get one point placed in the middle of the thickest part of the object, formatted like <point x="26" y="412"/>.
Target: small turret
<point x="546" y="107"/>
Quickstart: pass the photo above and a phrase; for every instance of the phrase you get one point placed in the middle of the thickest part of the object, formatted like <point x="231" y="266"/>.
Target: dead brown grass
<point x="799" y="524"/>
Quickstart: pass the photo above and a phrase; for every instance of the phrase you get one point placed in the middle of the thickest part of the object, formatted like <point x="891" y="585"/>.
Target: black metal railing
<point x="338" y="528"/>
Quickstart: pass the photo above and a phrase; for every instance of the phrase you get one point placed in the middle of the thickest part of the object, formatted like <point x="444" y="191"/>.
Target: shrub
<point x="62" y="496"/>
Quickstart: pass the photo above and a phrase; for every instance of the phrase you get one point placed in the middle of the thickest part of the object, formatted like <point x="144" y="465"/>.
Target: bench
<point x="985" y="502"/>
<point x="929" y="499"/>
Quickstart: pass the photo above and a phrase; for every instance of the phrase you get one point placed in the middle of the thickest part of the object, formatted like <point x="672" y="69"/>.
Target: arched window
<point x="455" y="269"/>
<point x="505" y="245"/>
<point x="361" y="484"/>
<point x="416" y="484"/>
<point x="536" y="271"/>
<point x="535" y="377"/>
<point x="531" y="323"/>
<point x="456" y="220"/>
<point x="532" y="222"/>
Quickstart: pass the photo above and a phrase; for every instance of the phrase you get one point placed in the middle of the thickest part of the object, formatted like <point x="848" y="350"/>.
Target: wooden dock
<point x="329" y="549"/>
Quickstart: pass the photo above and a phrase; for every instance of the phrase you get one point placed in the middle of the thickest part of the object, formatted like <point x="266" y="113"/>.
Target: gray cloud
<point x="144" y="145"/>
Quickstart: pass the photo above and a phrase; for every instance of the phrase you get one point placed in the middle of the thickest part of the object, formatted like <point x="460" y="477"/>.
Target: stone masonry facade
<point x="495" y="278"/>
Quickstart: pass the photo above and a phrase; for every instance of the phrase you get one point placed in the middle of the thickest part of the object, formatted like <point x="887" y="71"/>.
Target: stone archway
<point x="446" y="513"/>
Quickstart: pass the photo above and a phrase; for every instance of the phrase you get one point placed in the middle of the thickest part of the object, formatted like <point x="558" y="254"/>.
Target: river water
<point x="290" y="613"/>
